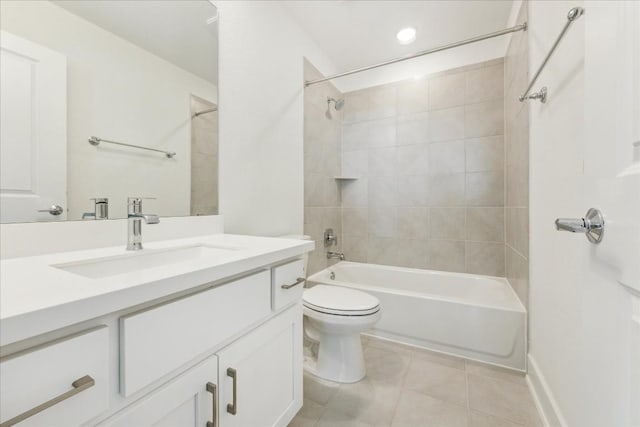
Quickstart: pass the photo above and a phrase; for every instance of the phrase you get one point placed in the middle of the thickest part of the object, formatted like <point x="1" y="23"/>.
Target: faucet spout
<point x="338" y="255"/>
<point x="148" y="218"/>
<point x="135" y="216"/>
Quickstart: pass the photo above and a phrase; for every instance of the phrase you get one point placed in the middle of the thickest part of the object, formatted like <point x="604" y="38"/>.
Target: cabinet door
<point x="267" y="366"/>
<point x="188" y="400"/>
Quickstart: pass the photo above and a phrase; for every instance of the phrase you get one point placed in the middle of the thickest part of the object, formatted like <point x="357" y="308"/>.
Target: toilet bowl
<point x="334" y="318"/>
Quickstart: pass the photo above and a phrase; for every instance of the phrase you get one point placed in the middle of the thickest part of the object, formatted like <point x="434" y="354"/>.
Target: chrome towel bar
<point x="94" y="140"/>
<point x="573" y="14"/>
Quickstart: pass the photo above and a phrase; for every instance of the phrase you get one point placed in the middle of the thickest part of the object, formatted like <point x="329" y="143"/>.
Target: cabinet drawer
<point x="47" y="378"/>
<point x="288" y="283"/>
<point x="159" y="340"/>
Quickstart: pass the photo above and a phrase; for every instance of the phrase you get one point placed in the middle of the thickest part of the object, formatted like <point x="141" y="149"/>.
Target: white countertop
<point x="36" y="297"/>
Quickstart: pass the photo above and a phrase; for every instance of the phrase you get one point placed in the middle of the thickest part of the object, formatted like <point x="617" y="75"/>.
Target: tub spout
<point x="339" y="255"/>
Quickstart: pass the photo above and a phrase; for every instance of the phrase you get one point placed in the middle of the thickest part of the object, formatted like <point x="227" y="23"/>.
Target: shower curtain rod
<point x="521" y="27"/>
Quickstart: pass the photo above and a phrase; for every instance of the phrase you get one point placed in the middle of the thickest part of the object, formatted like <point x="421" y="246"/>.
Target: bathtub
<point x="466" y="315"/>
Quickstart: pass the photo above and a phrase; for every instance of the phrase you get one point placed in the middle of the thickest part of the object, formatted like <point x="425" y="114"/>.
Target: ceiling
<point x="175" y="30"/>
<point x="358" y="33"/>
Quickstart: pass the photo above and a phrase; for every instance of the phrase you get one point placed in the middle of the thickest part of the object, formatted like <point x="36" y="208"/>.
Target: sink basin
<point x="98" y="268"/>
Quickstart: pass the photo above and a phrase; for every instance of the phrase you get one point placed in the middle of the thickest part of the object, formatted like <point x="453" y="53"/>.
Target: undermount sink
<point x="98" y="268"/>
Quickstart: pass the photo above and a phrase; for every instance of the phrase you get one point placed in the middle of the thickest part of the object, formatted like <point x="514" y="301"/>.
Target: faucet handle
<point x="100" y="209"/>
<point x="137" y="199"/>
<point x="134" y="204"/>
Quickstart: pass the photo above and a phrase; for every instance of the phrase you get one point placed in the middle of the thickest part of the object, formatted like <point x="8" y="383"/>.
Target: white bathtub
<point x="476" y="317"/>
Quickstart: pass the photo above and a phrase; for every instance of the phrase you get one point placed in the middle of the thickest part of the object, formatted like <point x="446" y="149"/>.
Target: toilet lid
<point x="340" y="300"/>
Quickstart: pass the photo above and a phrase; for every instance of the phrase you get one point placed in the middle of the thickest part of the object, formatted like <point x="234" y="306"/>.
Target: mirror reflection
<point x="104" y="100"/>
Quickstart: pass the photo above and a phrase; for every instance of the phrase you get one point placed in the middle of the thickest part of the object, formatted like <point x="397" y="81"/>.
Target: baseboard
<point x="542" y="396"/>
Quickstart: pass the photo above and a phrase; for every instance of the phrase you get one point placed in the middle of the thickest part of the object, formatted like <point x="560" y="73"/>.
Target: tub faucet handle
<point x="330" y="238"/>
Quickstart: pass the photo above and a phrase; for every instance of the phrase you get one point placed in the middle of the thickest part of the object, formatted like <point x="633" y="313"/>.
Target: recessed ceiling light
<point x="406" y="35"/>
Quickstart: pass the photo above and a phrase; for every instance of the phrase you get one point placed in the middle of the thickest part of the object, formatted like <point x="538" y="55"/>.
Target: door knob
<point x="53" y="210"/>
<point x="592" y="225"/>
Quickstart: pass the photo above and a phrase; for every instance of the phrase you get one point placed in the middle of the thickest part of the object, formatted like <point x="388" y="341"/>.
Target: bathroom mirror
<point x="105" y="100"/>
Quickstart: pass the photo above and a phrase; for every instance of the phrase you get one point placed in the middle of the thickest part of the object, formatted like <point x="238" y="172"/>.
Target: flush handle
<point x="54" y="210"/>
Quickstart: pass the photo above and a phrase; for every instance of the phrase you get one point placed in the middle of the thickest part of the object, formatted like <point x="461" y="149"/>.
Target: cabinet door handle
<point x="211" y="388"/>
<point x="232" y="408"/>
<point x="297" y="282"/>
<point x="78" y="385"/>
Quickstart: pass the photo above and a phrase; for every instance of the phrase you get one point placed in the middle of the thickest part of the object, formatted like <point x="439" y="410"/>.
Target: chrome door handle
<point x="211" y="388"/>
<point x="296" y="283"/>
<point x="232" y="408"/>
<point x="592" y="225"/>
<point x="53" y="210"/>
<point x="78" y="385"/>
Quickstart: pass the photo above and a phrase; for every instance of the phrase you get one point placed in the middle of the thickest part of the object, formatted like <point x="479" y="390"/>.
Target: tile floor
<point x="407" y="387"/>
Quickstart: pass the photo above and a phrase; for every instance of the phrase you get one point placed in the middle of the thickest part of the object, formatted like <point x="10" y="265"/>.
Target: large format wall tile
<point x="413" y="96"/>
<point x="322" y="162"/>
<point x="429" y="155"/>
<point x="516" y="161"/>
<point x="429" y="158"/>
<point x="447" y="124"/>
<point x="447" y="91"/>
<point x="485" y="84"/>
<point x="484" y="119"/>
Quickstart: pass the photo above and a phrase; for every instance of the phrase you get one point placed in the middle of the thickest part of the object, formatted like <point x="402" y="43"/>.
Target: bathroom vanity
<point x="197" y="331"/>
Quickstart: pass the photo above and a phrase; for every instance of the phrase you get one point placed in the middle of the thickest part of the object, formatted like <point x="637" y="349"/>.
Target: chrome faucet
<point x="339" y="255"/>
<point x="135" y="217"/>
<point x="100" y="209"/>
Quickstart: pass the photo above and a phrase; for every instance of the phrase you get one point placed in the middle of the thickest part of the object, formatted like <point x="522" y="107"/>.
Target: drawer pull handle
<point x="79" y="386"/>
<point x="211" y="388"/>
<point x="296" y="283"/>
<point x="232" y="408"/>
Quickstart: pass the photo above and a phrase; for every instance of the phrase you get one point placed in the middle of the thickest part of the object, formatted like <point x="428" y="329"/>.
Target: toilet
<point x="334" y="317"/>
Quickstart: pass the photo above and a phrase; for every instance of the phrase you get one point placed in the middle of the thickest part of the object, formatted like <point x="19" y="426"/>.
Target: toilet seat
<point x="340" y="301"/>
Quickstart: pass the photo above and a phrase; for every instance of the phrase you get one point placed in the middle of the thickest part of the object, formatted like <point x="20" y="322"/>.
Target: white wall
<point x="261" y="116"/>
<point x="581" y="351"/>
<point x="116" y="91"/>
<point x="556" y="171"/>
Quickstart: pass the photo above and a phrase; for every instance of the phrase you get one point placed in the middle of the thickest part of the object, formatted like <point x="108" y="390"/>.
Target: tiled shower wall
<point x="429" y="157"/>
<point x="517" y="161"/>
<point x="321" y="165"/>
<point x="204" y="158"/>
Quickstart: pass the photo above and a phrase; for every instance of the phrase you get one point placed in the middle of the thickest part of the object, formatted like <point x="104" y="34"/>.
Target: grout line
<point x="516" y="251"/>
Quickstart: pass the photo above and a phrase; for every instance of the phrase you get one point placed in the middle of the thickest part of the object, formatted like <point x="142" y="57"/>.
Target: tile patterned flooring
<point x="407" y="387"/>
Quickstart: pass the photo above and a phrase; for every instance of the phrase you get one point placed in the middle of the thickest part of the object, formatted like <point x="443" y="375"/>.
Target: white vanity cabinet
<point x="189" y="400"/>
<point x="59" y="383"/>
<point x="222" y="352"/>
<point x="256" y="381"/>
<point x="158" y="340"/>
<point x="260" y="375"/>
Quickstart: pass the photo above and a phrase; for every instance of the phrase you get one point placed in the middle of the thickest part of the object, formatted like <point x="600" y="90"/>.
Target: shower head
<point x="337" y="104"/>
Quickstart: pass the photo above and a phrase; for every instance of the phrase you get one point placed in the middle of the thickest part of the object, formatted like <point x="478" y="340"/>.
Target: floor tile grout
<point x="410" y="357"/>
